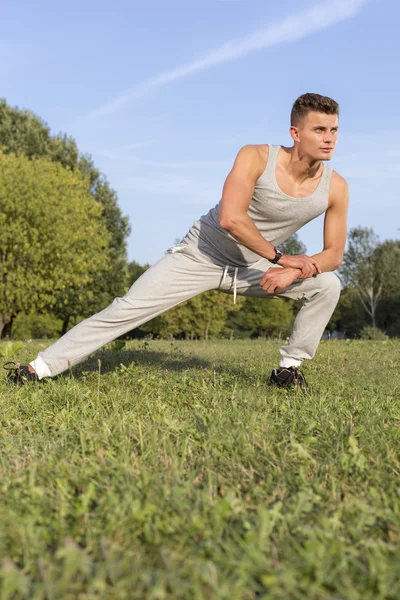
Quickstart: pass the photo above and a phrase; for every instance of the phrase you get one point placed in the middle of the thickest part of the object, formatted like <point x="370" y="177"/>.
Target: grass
<point x="172" y="471"/>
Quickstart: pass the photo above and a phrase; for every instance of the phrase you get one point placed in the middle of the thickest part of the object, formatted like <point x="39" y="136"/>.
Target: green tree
<point x="349" y="315"/>
<point x="387" y="261"/>
<point x="293" y="245"/>
<point x="201" y="316"/>
<point x="387" y="257"/>
<point x="269" y="317"/>
<point x="360" y="269"/>
<point x="21" y="131"/>
<point x="135" y="270"/>
<point x="52" y="234"/>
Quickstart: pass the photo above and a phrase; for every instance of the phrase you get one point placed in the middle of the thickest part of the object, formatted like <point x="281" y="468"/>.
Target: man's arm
<point x="335" y="226"/>
<point x="236" y="197"/>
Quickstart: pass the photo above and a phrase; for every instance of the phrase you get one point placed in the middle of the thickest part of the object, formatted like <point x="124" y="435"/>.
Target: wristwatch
<point x="278" y="256"/>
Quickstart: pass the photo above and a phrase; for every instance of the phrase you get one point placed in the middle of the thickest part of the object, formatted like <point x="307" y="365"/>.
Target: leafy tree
<point x="293" y="245"/>
<point x="360" y="269"/>
<point x="21" y="131"/>
<point x="265" y="317"/>
<point x="35" y="325"/>
<point x="135" y="271"/>
<point x="349" y="315"/>
<point x="387" y="261"/>
<point x="387" y="256"/>
<point x="52" y="234"/>
<point x="201" y="316"/>
<point x="388" y="315"/>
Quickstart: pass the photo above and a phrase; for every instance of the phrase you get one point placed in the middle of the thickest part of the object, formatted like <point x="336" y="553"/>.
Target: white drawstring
<point x="224" y="275"/>
<point x="234" y="281"/>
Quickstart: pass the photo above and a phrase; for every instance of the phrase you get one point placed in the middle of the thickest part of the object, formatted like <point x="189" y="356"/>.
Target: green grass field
<point x="177" y="473"/>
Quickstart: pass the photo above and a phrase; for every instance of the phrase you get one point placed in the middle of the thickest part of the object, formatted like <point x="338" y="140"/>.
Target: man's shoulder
<point x="257" y="150"/>
<point x="338" y="182"/>
<point x="339" y="189"/>
<point x="253" y="156"/>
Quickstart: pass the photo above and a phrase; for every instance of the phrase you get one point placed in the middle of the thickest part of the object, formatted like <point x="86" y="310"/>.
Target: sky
<point x="163" y="95"/>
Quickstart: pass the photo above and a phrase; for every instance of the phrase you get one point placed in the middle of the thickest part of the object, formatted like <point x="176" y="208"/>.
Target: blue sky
<point x="164" y="94"/>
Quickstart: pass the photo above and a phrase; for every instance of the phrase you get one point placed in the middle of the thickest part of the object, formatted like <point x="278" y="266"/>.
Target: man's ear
<point x="294" y="133"/>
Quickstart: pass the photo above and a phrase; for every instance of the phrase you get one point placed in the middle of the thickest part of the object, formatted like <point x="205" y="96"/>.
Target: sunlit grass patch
<point x="171" y="470"/>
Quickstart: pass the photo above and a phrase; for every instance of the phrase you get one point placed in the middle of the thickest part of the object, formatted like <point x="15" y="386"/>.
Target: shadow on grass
<point x="174" y="360"/>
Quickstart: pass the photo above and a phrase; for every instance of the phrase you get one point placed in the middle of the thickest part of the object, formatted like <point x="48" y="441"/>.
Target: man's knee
<point x="330" y="283"/>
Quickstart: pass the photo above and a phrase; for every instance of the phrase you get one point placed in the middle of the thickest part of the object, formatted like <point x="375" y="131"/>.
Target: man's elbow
<point x="337" y="259"/>
<point x="227" y="222"/>
<point x="339" y="262"/>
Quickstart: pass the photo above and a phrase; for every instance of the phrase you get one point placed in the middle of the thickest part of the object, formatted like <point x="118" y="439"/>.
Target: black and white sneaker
<point x="19" y="374"/>
<point x="288" y="377"/>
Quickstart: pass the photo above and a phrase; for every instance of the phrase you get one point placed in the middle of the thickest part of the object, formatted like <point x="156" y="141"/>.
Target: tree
<point x="21" y="131"/>
<point x="52" y="234"/>
<point x="349" y="316"/>
<point x="135" y="271"/>
<point x="360" y="268"/>
<point x="387" y="261"/>
<point x="387" y="257"/>
<point x="293" y="245"/>
<point x="201" y="316"/>
<point x="265" y="317"/>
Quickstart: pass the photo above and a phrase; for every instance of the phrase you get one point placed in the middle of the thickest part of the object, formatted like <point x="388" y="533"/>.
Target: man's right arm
<point x="236" y="197"/>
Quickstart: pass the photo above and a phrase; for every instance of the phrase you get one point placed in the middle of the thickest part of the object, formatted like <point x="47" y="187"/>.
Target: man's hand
<point x="276" y="279"/>
<point x="308" y="265"/>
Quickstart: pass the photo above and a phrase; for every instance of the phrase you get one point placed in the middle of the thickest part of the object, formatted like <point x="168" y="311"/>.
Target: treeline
<point x="370" y="302"/>
<point x="63" y="254"/>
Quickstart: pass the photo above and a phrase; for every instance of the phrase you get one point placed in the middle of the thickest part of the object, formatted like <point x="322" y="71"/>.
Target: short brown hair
<point x="307" y="102"/>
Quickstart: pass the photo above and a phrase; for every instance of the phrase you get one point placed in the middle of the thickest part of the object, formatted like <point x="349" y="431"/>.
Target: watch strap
<point x="278" y="255"/>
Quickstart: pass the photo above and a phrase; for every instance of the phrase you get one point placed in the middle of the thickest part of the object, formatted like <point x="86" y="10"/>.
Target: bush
<point x="394" y="329"/>
<point x="36" y="326"/>
<point x="373" y="333"/>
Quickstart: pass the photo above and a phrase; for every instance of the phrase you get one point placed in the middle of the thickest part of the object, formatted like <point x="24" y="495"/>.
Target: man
<point x="269" y="194"/>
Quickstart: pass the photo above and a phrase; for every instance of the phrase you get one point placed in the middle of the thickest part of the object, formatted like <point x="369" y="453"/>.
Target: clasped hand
<point x="307" y="265"/>
<point x="276" y="279"/>
<point x="294" y="267"/>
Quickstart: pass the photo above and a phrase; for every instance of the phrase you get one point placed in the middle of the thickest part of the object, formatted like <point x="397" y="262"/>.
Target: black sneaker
<point x="19" y="374"/>
<point x="288" y="377"/>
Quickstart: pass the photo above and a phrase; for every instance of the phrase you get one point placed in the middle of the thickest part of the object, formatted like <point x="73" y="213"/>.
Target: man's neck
<point x="299" y="166"/>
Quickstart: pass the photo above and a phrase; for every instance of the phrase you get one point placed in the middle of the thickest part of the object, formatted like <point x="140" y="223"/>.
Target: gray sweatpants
<point x="182" y="273"/>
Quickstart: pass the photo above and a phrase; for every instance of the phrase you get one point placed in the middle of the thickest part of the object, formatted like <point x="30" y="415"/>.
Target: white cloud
<point x="292" y="28"/>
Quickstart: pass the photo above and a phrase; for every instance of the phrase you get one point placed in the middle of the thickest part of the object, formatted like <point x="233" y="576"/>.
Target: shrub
<point x="373" y="333"/>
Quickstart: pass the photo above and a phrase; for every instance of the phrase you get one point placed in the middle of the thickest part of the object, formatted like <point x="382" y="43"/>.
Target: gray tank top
<point x="276" y="215"/>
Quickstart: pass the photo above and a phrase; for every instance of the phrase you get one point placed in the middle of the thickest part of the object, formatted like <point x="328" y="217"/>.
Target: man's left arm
<point x="335" y="226"/>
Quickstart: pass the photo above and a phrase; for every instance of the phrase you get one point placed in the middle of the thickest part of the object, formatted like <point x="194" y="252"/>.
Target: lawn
<point x="171" y="470"/>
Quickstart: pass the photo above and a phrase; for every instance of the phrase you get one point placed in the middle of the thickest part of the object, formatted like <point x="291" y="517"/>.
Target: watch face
<point x="278" y="255"/>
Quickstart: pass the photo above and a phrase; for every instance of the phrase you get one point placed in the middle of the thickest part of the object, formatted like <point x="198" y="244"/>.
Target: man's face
<point x="316" y="135"/>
